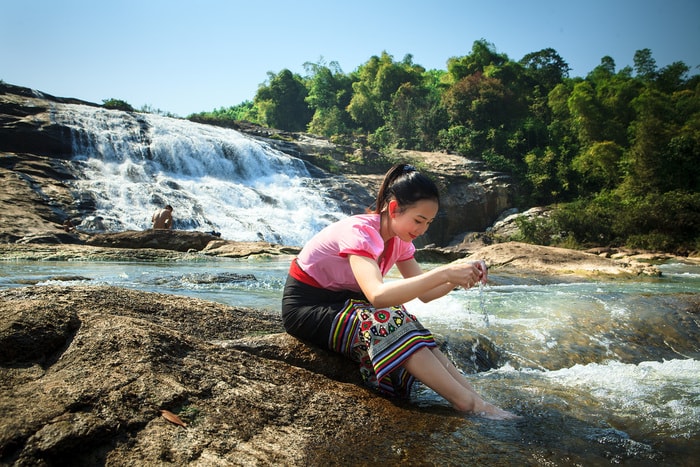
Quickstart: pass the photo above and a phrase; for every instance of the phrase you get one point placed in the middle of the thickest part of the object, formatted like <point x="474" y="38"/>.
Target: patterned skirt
<point x="381" y="340"/>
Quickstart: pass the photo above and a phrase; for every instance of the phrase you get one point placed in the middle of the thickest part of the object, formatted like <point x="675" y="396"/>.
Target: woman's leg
<point x="456" y="374"/>
<point x="434" y="370"/>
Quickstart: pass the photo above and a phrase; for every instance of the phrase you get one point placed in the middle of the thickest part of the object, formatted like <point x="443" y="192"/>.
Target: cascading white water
<point x="215" y="178"/>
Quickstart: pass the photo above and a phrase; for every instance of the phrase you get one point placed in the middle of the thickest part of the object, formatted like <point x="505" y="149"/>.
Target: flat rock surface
<point x="524" y="258"/>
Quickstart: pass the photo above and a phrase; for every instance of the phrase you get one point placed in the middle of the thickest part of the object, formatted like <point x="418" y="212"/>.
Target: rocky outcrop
<point x="26" y="125"/>
<point x="161" y="239"/>
<point x="524" y="258"/>
<point x="86" y="371"/>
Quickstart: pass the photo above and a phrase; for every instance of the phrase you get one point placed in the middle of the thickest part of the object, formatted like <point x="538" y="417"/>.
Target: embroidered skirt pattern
<point x="381" y="340"/>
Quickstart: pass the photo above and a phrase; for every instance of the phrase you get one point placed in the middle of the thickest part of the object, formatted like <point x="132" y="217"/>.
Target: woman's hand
<point x="484" y="270"/>
<point x="467" y="274"/>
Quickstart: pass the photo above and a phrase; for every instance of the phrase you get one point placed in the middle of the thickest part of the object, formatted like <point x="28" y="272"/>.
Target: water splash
<point x="661" y="397"/>
<point x="482" y="304"/>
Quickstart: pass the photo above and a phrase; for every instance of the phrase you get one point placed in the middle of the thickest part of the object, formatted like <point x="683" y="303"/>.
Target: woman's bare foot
<point x="492" y="412"/>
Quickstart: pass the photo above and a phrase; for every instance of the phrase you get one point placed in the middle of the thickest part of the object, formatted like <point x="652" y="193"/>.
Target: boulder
<point x="86" y="372"/>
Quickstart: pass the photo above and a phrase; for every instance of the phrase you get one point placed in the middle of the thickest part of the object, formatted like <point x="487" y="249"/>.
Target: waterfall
<point x="216" y="179"/>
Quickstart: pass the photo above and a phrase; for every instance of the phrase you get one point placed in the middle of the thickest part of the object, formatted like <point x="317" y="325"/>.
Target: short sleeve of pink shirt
<point x="325" y="256"/>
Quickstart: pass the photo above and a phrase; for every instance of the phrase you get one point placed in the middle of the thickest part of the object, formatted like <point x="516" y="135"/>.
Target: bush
<point x="117" y="104"/>
<point x="537" y="230"/>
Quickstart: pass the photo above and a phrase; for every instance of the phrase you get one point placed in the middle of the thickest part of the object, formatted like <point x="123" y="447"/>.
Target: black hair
<point x="407" y="186"/>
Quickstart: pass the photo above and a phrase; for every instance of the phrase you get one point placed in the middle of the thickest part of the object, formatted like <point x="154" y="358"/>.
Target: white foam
<point x="215" y="178"/>
<point x="664" y="394"/>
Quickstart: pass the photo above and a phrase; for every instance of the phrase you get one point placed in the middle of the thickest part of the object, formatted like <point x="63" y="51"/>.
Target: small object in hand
<point x="172" y="418"/>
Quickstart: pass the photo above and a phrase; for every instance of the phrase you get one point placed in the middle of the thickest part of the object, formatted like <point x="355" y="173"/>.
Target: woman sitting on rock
<point x="336" y="297"/>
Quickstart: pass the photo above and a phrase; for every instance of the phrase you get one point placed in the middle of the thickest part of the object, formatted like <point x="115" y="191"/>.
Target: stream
<point x="606" y="370"/>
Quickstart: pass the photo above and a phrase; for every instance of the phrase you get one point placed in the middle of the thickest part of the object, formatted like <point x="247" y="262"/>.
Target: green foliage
<point x="282" y="102"/>
<point x="544" y="174"/>
<point x="329" y="93"/>
<point x="483" y="55"/>
<point x="230" y="116"/>
<point x="668" y="222"/>
<point x="377" y="82"/>
<point x="644" y="64"/>
<point x="458" y="139"/>
<point x="617" y="150"/>
<point x="599" y="166"/>
<point x="545" y="68"/>
<point x="590" y="222"/>
<point x="537" y="230"/>
<point x="117" y="104"/>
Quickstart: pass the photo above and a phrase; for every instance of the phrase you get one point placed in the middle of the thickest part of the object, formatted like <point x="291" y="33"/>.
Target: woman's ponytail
<point x="407" y="186"/>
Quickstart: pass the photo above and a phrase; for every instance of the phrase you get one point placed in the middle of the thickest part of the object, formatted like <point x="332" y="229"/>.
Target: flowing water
<point x="604" y="370"/>
<point x="216" y="179"/>
<point x="607" y="371"/>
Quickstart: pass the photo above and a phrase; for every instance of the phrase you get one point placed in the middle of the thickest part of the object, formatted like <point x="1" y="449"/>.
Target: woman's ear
<point x="392" y="207"/>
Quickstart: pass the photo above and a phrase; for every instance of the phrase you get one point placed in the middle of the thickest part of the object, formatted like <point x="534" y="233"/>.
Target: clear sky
<point x="191" y="56"/>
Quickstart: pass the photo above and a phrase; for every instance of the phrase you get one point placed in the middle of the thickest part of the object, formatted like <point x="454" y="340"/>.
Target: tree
<point x="478" y="101"/>
<point x="644" y="65"/>
<point x="282" y="102"/>
<point x="614" y="93"/>
<point x="546" y="68"/>
<point x="672" y="78"/>
<point x="651" y="133"/>
<point x="329" y="93"/>
<point x="228" y="116"/>
<point x="483" y="55"/>
<point x="586" y="113"/>
<point x="546" y="174"/>
<point x="403" y="121"/>
<point x="599" y="166"/>
<point x="117" y="104"/>
<point x="376" y="83"/>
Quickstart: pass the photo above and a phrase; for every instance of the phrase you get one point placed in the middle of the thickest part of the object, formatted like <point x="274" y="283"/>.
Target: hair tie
<point x="408" y="168"/>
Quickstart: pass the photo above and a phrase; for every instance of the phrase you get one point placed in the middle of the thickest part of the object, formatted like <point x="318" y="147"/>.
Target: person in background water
<point x="335" y="295"/>
<point x="163" y="218"/>
<point x="68" y="226"/>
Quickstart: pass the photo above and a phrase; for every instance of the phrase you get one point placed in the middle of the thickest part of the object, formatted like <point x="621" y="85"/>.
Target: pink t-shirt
<point x="325" y="256"/>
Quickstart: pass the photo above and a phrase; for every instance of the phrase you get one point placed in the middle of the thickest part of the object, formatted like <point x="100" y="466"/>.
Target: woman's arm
<point x="426" y="285"/>
<point x="411" y="268"/>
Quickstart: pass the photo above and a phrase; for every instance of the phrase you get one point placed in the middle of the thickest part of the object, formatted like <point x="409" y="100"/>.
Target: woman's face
<point x="414" y="221"/>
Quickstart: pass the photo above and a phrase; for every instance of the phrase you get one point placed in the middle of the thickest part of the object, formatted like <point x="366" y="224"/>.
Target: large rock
<point x="85" y="372"/>
<point x="178" y="240"/>
<point x="524" y="258"/>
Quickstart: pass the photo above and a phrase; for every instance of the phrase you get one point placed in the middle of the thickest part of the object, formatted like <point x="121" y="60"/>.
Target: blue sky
<point x="191" y="56"/>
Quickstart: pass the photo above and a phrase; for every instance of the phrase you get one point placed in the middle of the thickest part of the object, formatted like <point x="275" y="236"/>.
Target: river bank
<point x="86" y="370"/>
<point x="166" y="245"/>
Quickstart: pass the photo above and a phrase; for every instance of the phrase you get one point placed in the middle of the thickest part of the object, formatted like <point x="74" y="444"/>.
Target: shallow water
<point x="602" y="372"/>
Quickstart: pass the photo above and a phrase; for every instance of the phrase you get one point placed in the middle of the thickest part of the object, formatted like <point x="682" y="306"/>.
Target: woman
<point x="336" y="298"/>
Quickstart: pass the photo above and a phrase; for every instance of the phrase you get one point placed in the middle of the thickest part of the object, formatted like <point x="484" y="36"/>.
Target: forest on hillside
<point x="616" y="153"/>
